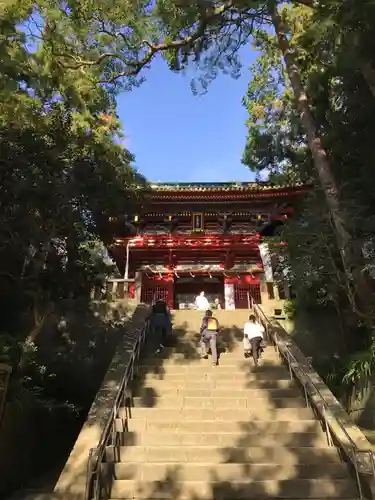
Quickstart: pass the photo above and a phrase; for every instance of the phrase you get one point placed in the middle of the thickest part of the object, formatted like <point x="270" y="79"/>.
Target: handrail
<point x="325" y="413"/>
<point x="94" y="486"/>
<point x="5" y="373"/>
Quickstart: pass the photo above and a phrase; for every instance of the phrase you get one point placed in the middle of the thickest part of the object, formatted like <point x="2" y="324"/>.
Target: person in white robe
<point x="201" y="302"/>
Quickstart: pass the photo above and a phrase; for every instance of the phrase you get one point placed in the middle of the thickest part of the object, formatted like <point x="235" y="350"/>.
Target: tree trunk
<point x="351" y="259"/>
<point x="369" y="75"/>
<point x="354" y="45"/>
<point x="40" y="318"/>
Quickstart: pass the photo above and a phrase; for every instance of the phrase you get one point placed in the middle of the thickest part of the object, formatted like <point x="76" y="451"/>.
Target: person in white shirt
<point x="253" y="336"/>
<point x="201" y="302"/>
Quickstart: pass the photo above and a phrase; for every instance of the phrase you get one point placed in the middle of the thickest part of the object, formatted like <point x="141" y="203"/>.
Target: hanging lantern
<point x="136" y="218"/>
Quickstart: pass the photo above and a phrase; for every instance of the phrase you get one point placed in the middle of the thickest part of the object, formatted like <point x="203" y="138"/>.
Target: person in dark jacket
<point x="161" y="323"/>
<point x="209" y="330"/>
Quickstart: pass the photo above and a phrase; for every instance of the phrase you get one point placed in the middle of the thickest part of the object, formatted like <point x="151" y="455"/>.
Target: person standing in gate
<point x="201" y="302"/>
<point x="253" y="337"/>
<point x="209" y="330"/>
<point x="216" y="304"/>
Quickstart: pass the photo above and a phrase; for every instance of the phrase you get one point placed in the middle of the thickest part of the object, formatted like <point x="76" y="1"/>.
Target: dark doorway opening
<point x="187" y="287"/>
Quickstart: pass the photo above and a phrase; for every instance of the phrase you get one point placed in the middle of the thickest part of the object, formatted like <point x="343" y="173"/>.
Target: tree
<point x="64" y="177"/>
<point x="343" y="110"/>
<point x="63" y="174"/>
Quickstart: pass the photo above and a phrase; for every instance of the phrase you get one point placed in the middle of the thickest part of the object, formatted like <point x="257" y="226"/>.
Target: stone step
<point x="236" y="454"/>
<point x="216" y="373"/>
<point x="232" y="328"/>
<point x="195" y="498"/>
<point x="225" y="363"/>
<point x="181" y="350"/>
<point x="162" y="384"/>
<point x="239" y="363"/>
<point x="187" y="345"/>
<point x="236" y="359"/>
<point x="231" y="356"/>
<point x="215" y="403"/>
<point x="176" y="349"/>
<point x="55" y="496"/>
<point x="229" y="415"/>
<point x="181" y="438"/>
<point x="246" y="428"/>
<point x="202" y="392"/>
<point x="248" y="489"/>
<point x="228" y="333"/>
<point x="229" y="472"/>
<point x="231" y="336"/>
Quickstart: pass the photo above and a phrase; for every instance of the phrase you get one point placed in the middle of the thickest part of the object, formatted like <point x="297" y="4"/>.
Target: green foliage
<point x="275" y="141"/>
<point x="329" y="51"/>
<point x="290" y="308"/>
<point x="111" y="43"/>
<point x="64" y="175"/>
<point x="361" y="366"/>
<point x="333" y="370"/>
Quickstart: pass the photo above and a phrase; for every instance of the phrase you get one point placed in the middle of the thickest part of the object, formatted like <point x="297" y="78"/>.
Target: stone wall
<point x="72" y="482"/>
<point x="35" y="444"/>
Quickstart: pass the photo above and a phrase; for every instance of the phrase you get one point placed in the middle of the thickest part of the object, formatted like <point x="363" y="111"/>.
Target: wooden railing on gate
<point x="113" y="289"/>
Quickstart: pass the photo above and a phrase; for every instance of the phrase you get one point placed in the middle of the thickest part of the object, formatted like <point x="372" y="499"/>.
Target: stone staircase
<point x="198" y="432"/>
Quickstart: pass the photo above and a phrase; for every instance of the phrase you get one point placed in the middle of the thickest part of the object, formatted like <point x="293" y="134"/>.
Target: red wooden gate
<point x="242" y="294"/>
<point x="157" y="288"/>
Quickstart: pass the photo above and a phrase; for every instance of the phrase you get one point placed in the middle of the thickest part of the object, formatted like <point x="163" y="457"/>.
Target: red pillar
<point x="170" y="290"/>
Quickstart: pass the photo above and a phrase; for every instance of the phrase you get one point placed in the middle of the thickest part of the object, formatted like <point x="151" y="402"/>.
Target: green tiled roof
<point x="219" y="186"/>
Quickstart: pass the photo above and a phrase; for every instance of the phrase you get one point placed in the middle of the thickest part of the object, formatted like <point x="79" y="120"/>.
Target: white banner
<point x="266" y="259"/>
<point x="229" y="296"/>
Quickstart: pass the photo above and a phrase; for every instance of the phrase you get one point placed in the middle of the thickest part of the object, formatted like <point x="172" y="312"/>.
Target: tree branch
<point x="134" y="67"/>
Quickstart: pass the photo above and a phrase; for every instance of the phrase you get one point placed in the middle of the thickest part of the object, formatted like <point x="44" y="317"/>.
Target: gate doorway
<point x="152" y="293"/>
<point x="157" y="288"/>
<point x="187" y="288"/>
<point x="243" y="293"/>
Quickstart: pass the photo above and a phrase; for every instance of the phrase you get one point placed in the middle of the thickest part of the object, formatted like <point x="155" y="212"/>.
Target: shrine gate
<point x="205" y="237"/>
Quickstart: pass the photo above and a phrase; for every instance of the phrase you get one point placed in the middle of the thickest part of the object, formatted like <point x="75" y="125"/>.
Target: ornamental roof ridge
<point x="221" y="186"/>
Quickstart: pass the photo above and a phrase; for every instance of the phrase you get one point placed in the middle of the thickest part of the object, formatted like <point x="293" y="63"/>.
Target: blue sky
<point x="177" y="136"/>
